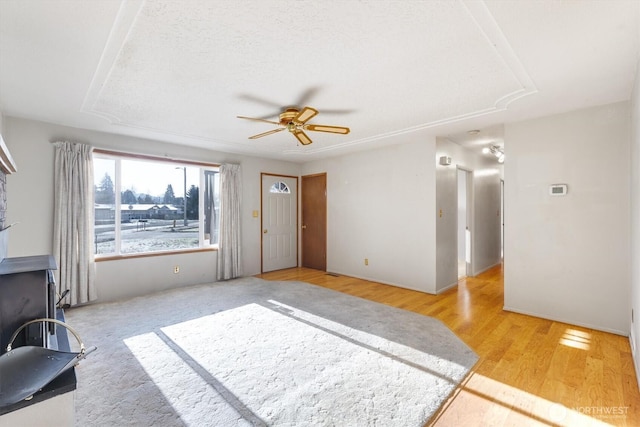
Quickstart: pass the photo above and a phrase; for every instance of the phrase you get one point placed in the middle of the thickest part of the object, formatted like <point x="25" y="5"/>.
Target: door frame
<point x="297" y="216"/>
<point x="502" y="219"/>
<point x="470" y="216"/>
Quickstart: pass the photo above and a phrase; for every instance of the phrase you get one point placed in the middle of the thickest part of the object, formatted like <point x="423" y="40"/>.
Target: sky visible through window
<point x="149" y="177"/>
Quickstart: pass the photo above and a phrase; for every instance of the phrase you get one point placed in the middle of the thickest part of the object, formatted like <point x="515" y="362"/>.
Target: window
<point x="279" y="187"/>
<point x="146" y="205"/>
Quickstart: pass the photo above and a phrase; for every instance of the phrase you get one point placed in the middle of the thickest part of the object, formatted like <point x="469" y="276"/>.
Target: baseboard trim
<point x="567" y="321"/>
<point x="476" y="273"/>
<point x="373" y="279"/>
<point x="634" y="355"/>
<point x="453" y="285"/>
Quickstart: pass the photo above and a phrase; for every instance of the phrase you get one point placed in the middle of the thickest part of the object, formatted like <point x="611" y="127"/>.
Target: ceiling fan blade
<point x="306" y="114"/>
<point x="326" y="128"/>
<point x="259" y="100"/>
<point x="260" y="135"/>
<point x="258" y="120"/>
<point x="302" y="137"/>
<point x="337" y="111"/>
<point x="307" y="95"/>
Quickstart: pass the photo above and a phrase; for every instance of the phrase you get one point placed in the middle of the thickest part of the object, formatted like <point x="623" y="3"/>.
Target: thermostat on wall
<point x="558" y="189"/>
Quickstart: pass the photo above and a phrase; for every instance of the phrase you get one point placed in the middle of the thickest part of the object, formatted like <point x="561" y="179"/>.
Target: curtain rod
<point x="151" y="157"/>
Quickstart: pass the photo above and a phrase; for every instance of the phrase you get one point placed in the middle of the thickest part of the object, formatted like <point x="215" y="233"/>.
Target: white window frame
<point x="118" y="157"/>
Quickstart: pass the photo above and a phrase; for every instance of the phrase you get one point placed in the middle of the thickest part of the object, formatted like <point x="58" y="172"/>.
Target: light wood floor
<point x="531" y="371"/>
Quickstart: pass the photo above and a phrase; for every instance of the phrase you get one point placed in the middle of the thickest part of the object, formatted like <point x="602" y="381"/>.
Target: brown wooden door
<point x="314" y="221"/>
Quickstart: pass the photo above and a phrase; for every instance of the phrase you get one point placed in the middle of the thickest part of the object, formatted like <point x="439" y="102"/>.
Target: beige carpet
<point x="253" y="352"/>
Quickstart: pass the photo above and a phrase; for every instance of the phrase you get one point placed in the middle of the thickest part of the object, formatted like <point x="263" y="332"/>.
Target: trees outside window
<point x="193" y="202"/>
<point x="128" y="198"/>
<point x="105" y="192"/>
<point x="169" y="197"/>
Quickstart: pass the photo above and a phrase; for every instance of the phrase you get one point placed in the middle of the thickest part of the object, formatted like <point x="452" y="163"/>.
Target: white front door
<point x="279" y="222"/>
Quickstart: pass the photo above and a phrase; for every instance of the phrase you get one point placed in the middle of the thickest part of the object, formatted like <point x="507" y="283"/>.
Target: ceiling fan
<point x="303" y="99"/>
<point x="295" y="121"/>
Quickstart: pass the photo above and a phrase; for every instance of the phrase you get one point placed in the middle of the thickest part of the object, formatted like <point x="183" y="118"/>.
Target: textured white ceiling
<point x="393" y="71"/>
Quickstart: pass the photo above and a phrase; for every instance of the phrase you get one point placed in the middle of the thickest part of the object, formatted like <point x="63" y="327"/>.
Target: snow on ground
<point x="149" y="240"/>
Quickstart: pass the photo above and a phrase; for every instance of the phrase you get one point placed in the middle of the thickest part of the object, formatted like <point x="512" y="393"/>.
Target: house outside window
<point x="145" y="205"/>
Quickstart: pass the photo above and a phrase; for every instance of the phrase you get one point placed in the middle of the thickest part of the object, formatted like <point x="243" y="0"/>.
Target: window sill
<point x="154" y="254"/>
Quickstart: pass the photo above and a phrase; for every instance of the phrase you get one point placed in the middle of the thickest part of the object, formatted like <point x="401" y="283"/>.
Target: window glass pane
<point x="158" y="208"/>
<point x="104" y="184"/>
<point x="279" y="187"/>
<point x="156" y="215"/>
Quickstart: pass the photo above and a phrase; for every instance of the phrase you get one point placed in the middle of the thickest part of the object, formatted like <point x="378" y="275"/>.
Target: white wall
<point x="568" y="258"/>
<point x="485" y="209"/>
<point x="381" y="206"/>
<point x="30" y="201"/>
<point x="635" y="223"/>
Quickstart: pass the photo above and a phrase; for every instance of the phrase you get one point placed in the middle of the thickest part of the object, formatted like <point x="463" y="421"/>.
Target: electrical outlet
<point x="366" y="261"/>
<point x="176" y="269"/>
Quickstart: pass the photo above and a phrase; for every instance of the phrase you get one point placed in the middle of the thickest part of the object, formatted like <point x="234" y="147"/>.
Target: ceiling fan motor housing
<point x="288" y="115"/>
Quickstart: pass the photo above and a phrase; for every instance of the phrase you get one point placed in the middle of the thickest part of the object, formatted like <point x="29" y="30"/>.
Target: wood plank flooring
<point x="531" y="372"/>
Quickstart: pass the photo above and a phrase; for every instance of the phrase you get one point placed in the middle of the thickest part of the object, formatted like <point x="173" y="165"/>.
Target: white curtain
<point x="229" y="245"/>
<point x="73" y="221"/>
<point x="211" y="221"/>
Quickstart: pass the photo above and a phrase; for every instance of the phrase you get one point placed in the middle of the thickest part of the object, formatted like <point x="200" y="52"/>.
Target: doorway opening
<point x="464" y="220"/>
<point x="502" y="219"/>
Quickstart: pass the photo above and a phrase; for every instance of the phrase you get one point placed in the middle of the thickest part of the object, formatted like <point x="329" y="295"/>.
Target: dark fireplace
<point x="27" y="289"/>
<point x="27" y="292"/>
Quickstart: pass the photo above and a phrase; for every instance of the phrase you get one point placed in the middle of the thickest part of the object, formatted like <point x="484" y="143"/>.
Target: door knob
<point x="265" y="231"/>
<point x="304" y="226"/>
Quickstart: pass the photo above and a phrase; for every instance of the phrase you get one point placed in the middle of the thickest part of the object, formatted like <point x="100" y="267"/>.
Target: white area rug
<point x="252" y="352"/>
